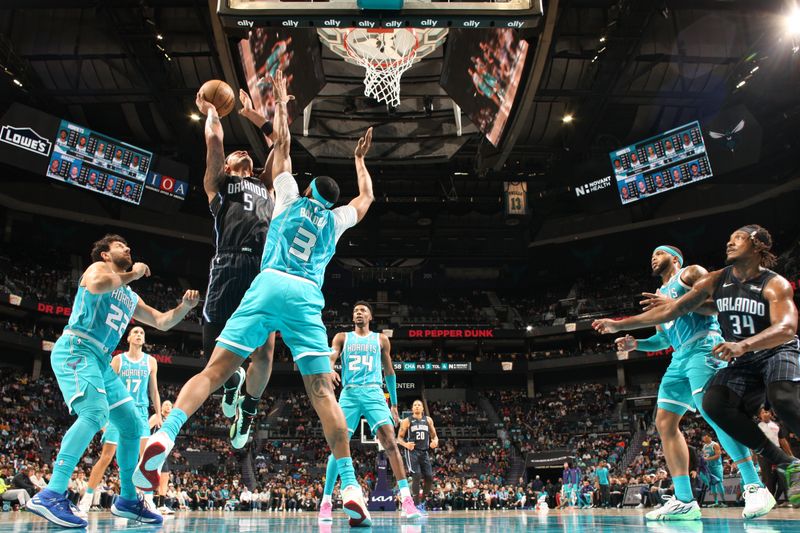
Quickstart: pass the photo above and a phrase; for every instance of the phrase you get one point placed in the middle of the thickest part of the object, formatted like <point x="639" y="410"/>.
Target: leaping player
<point x="138" y="372"/>
<point x="693" y="337"/>
<point x="364" y="353"/>
<point x="285" y="296"/>
<point x="759" y="324"/>
<point x="103" y="307"/>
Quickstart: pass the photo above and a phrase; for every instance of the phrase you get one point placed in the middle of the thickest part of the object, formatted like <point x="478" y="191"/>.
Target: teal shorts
<point x="78" y="364"/>
<point x="687" y="376"/>
<point x="281" y="302"/>
<point x="367" y="401"/>
<point x="111" y="433"/>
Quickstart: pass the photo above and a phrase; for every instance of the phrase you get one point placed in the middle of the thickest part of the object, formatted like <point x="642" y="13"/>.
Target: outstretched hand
<point x="247" y="103"/>
<point x="605" y="325"/>
<point x="203" y="105"/>
<point x="364" y="144"/>
<point x="279" y="88"/>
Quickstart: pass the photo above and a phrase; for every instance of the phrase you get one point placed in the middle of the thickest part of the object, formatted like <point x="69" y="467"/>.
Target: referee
<point x="242" y="207"/>
<point x="417" y="435"/>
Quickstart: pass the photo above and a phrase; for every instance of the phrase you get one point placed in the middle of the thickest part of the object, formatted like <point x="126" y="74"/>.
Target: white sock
<point x="405" y="493"/>
<point x="326" y="498"/>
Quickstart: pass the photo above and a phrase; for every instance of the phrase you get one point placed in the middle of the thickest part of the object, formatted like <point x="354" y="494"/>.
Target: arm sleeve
<point x="344" y="218"/>
<point x="286" y="192"/>
<point x="391" y="386"/>
<point x="657" y="342"/>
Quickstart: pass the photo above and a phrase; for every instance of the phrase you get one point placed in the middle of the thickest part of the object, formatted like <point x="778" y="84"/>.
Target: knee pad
<point x="93" y="408"/>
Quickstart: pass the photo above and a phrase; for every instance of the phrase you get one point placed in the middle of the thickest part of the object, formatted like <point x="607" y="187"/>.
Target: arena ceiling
<point x="624" y="70"/>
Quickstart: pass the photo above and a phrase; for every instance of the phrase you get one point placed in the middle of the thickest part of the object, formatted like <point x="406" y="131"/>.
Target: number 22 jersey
<point x="103" y="317"/>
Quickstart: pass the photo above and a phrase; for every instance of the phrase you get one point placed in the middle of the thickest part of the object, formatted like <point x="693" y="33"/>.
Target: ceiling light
<point x="791" y="22"/>
<point x="602" y="39"/>
<point x="594" y="59"/>
<point x="159" y="37"/>
<point x="17" y="82"/>
<point x="528" y="328"/>
<point x="754" y="69"/>
<point x="566" y="119"/>
<point x="740" y="84"/>
<point x="195" y="117"/>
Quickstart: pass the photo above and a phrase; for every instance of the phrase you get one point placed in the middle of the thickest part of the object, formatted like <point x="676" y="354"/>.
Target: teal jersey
<point x="689" y="328"/>
<point x="103" y="317"/>
<point x="602" y="475"/>
<point x="708" y="451"/>
<point x="303" y="233"/>
<point x="136" y="377"/>
<point x="361" y="359"/>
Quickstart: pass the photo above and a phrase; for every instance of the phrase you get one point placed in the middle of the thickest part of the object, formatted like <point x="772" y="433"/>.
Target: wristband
<point x="266" y="128"/>
<point x="391" y="386"/>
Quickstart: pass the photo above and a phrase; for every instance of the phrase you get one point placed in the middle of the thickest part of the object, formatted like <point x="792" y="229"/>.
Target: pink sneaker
<point x="325" y="512"/>
<point x="409" y="509"/>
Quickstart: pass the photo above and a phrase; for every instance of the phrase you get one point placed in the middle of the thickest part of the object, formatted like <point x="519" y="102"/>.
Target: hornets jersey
<point x="361" y="359"/>
<point x="689" y="328"/>
<point x="302" y="236"/>
<point x="136" y="377"/>
<point x="103" y="317"/>
<point x="708" y="451"/>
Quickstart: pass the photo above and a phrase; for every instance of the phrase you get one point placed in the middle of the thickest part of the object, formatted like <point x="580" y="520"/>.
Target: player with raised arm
<point x="417" y="435"/>
<point x="242" y="206"/>
<point x="285" y="296"/>
<point x="364" y="353"/>
<point x="103" y="307"/>
<point x="693" y="337"/>
<point x="138" y="372"/>
<point x="759" y="324"/>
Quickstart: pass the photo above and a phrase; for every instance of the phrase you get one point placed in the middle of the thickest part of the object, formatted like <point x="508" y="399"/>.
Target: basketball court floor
<point x="594" y="521"/>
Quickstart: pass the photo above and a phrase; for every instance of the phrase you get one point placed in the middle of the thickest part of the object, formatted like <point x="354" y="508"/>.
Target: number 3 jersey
<point x="743" y="309"/>
<point x="136" y="377"/>
<point x="685" y="331"/>
<point x="303" y="234"/>
<point x="103" y="317"/>
<point x="361" y="359"/>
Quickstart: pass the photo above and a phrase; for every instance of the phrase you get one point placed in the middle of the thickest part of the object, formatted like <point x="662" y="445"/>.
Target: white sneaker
<point x="86" y="503"/>
<point x="148" y="500"/>
<point x="354" y="506"/>
<point x="640" y="506"/>
<point x="165" y="510"/>
<point x="758" y="501"/>
<point x="147" y="475"/>
<point x="674" y="509"/>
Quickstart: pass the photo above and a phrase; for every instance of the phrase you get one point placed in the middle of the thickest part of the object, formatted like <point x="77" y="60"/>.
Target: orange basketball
<point x="220" y="94"/>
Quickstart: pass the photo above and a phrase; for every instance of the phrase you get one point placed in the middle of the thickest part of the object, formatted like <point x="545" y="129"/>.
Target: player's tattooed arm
<point x="336" y="348"/>
<point x="783" y="313"/>
<point x="691" y="275"/>
<point x="215" y="152"/>
<point x="365" y="196"/>
<point x="282" y="137"/>
<point x="701" y="291"/>
<point x="166" y="320"/>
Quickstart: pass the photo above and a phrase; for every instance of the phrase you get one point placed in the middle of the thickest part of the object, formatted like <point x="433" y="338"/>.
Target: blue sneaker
<point x="421" y="509"/>
<point x="135" y="510"/>
<point x="55" y="508"/>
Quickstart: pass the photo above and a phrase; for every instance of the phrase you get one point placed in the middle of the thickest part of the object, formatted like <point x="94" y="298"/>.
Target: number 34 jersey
<point x="743" y="309"/>
<point x="361" y="359"/>
<point x="103" y="317"/>
<point x="303" y="234"/>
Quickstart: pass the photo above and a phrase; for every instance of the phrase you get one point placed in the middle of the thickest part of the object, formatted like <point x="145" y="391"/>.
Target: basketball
<point x="220" y="94"/>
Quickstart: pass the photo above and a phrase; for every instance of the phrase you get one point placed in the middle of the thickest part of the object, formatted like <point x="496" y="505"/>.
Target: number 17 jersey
<point x="361" y="359"/>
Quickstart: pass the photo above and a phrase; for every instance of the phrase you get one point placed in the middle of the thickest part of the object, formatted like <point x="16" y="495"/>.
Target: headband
<point x="317" y="196"/>
<point x="755" y="234"/>
<point x="671" y="251"/>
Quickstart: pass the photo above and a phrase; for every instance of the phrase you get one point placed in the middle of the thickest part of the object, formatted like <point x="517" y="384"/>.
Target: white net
<point x="385" y="55"/>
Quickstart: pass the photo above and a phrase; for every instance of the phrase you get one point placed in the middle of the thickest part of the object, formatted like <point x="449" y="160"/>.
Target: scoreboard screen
<point x="667" y="161"/>
<point x="91" y="160"/>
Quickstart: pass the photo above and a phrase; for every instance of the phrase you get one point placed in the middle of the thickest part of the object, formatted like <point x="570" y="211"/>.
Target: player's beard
<point x="123" y="263"/>
<point x="660" y="269"/>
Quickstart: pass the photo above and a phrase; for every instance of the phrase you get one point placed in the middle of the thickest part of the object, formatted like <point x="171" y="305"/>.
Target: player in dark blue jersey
<point x="81" y="359"/>
<point x="758" y="317"/>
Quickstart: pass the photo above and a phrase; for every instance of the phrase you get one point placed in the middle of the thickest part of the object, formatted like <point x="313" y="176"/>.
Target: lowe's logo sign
<point x="25" y="138"/>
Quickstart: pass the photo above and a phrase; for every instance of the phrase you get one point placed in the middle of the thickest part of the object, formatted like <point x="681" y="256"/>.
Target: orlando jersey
<point x="688" y="328"/>
<point x="303" y="234"/>
<point x="361" y="359"/>
<point x="743" y="309"/>
<point x="136" y="377"/>
<point x="419" y="433"/>
<point x="242" y="210"/>
<point x="103" y="317"/>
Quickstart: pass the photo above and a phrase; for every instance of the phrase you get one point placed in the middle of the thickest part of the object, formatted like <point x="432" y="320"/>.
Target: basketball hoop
<point x="384" y="53"/>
